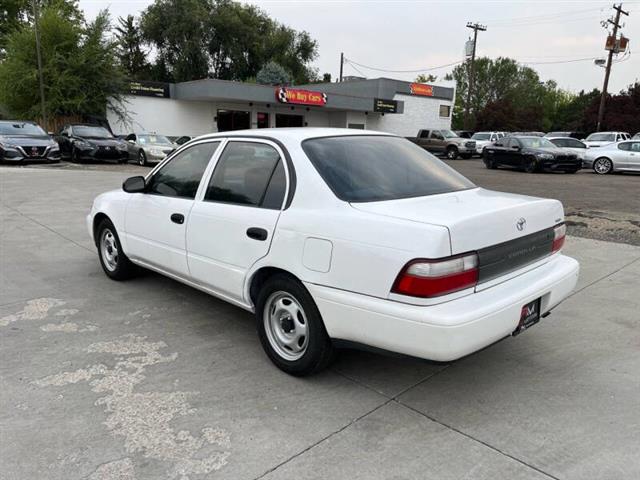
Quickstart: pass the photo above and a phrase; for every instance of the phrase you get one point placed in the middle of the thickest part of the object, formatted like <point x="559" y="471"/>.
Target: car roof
<point x="18" y="121"/>
<point x="562" y="138"/>
<point x="295" y="134"/>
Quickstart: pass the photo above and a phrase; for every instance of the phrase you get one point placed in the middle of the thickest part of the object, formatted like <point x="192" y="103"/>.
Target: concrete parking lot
<point x="150" y="379"/>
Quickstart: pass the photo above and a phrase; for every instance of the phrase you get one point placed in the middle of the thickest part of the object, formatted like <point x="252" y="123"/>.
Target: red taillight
<point x="432" y="278"/>
<point x="559" y="233"/>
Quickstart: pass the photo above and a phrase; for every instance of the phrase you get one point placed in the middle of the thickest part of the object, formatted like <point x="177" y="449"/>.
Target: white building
<point x="204" y="106"/>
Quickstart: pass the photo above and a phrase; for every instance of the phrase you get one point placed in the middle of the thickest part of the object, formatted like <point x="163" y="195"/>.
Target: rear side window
<point x="181" y="176"/>
<point x="374" y="168"/>
<point x="248" y="174"/>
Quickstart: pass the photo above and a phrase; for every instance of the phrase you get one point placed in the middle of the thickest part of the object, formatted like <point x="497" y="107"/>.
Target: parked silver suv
<point x="445" y="141"/>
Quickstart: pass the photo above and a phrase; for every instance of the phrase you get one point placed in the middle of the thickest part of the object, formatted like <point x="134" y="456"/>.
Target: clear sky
<point x="552" y="36"/>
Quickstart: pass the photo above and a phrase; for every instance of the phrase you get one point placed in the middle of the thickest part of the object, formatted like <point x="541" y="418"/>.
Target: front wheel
<point x="114" y="262"/>
<point x="142" y="158"/>
<point x="531" y="165"/>
<point x="452" y="153"/>
<point x="290" y="327"/>
<point x="602" y="166"/>
<point x="490" y="163"/>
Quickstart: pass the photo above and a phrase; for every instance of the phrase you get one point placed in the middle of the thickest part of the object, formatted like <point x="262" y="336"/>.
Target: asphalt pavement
<point x="150" y="379"/>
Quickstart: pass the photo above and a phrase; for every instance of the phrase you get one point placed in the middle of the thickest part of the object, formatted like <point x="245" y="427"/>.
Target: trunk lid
<point x="476" y="218"/>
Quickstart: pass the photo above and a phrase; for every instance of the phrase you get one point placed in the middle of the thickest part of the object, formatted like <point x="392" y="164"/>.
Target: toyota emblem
<point x="521" y="224"/>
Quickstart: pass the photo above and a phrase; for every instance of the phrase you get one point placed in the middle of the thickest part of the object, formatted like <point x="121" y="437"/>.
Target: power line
<point x="386" y="70"/>
<point x="543" y="16"/>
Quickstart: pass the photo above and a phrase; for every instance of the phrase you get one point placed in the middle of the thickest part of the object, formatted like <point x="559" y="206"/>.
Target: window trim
<point x="173" y="155"/>
<point x="263" y="141"/>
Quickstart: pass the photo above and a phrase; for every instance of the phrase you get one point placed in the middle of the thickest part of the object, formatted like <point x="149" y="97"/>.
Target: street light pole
<point x="39" y="58"/>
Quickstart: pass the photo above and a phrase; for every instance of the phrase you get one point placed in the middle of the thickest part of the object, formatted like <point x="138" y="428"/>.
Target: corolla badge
<point x="521" y="224"/>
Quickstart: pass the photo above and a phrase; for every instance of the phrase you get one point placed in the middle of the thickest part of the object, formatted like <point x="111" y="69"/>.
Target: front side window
<point x="181" y="176"/>
<point x="248" y="174"/>
<point x="367" y="168"/>
<point x="624" y="146"/>
<point x="635" y="146"/>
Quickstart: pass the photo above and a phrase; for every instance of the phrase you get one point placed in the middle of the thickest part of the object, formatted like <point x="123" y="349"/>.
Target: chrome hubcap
<point x="602" y="166"/>
<point x="286" y="325"/>
<point x="109" y="250"/>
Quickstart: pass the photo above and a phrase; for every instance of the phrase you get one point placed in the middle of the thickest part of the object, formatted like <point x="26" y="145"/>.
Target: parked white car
<point x="333" y="235"/>
<point x="599" y="139"/>
<point x="615" y="157"/>
<point x="571" y="144"/>
<point x="484" y="139"/>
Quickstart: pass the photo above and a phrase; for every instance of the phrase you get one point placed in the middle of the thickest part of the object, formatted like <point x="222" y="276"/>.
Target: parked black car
<point x="531" y="154"/>
<point x="25" y="141"/>
<point x="80" y="142"/>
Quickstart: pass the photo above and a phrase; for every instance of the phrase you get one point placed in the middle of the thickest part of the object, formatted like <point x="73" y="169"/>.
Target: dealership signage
<point x="150" y="89"/>
<point x="421" y="89"/>
<point x="385" y="106"/>
<point x="300" y="97"/>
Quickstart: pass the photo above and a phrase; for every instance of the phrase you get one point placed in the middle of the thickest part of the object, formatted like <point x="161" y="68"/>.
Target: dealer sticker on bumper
<point x="529" y="316"/>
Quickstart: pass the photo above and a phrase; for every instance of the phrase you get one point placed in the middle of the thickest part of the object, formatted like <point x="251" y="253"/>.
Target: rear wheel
<point x="602" y="166"/>
<point x="290" y="327"/>
<point x="142" y="158"/>
<point x="114" y="262"/>
<point x="452" y="153"/>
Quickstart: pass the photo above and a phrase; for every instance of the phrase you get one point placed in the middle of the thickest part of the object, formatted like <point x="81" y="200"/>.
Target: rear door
<point x="232" y="225"/>
<point x="156" y="221"/>
<point x="634" y="156"/>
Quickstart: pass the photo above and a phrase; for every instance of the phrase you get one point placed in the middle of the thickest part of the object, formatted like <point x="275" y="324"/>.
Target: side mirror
<point x="134" y="185"/>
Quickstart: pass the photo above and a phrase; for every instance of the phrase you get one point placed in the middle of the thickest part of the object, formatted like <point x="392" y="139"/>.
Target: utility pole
<point x="341" y="64"/>
<point x="475" y="27"/>
<point x="39" y="57"/>
<point x="603" y="96"/>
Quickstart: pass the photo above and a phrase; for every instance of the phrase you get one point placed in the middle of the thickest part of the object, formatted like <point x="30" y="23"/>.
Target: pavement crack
<point x="355" y="420"/>
<point x="477" y="440"/>
<point x="603" y="278"/>
<point x="15" y="210"/>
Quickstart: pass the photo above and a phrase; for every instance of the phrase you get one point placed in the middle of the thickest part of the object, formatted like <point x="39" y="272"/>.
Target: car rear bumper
<point x="450" y="330"/>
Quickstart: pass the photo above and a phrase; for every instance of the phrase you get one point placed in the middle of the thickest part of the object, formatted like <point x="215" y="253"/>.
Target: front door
<point x="231" y="228"/>
<point x="156" y="221"/>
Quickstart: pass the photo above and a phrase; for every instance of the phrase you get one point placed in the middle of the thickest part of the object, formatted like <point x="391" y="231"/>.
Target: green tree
<point x="81" y="75"/>
<point x="273" y="74"/>
<point x="426" y="78"/>
<point x="223" y="39"/>
<point x="130" y="49"/>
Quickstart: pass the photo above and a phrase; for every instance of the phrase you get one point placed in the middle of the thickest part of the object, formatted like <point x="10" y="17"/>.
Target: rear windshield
<point x="374" y="168"/>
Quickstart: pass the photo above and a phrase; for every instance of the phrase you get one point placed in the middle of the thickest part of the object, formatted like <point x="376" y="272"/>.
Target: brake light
<point x="559" y="234"/>
<point x="433" y="278"/>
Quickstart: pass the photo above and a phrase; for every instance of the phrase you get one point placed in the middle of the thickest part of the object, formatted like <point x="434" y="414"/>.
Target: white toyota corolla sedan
<point x="337" y="237"/>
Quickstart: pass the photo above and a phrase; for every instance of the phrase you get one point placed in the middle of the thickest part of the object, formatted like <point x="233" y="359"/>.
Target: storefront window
<point x="445" y="110"/>
<point x="283" y="120"/>
<point x="263" y="120"/>
<point x="233" y="120"/>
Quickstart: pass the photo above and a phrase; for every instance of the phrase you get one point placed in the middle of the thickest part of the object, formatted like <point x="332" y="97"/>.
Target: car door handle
<point x="257" y="233"/>
<point x="177" y="218"/>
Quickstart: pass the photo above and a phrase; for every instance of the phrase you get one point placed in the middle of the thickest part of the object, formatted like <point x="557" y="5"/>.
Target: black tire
<point x="531" y="165"/>
<point x="318" y="351"/>
<point x="602" y="166"/>
<point x="490" y="163"/>
<point x="120" y="269"/>
<point x="75" y="156"/>
<point x="452" y="153"/>
<point x="142" y="158"/>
